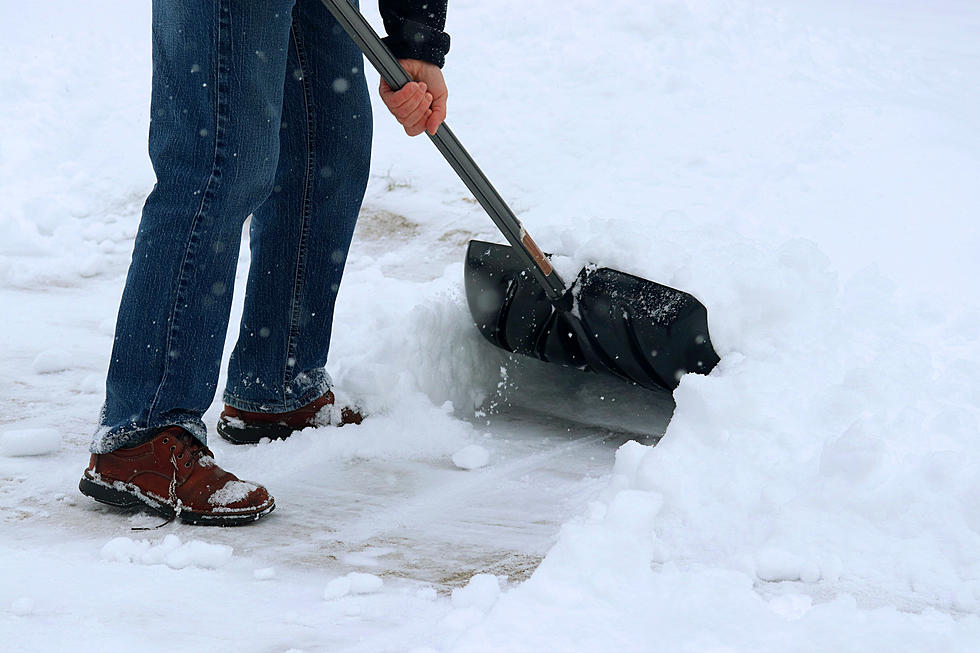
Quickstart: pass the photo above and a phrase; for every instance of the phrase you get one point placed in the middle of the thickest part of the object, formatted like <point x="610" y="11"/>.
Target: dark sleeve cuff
<point x="411" y="40"/>
<point x="415" y="29"/>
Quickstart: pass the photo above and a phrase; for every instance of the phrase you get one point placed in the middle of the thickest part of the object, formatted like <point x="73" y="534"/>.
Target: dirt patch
<point x="379" y="224"/>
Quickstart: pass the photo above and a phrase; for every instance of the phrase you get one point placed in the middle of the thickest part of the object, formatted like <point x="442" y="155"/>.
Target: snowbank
<point x="818" y="490"/>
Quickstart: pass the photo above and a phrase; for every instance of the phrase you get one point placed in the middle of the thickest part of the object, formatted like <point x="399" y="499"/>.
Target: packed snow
<point x="472" y="456"/>
<point x="353" y="583"/>
<point x="29" y="442"/>
<point x="807" y="170"/>
<point x="169" y="551"/>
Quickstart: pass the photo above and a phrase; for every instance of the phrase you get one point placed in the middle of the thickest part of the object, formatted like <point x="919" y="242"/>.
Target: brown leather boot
<point x="174" y="475"/>
<point x="244" y="427"/>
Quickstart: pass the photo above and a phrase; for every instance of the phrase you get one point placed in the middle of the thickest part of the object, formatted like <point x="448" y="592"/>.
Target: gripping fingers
<point x="398" y="100"/>
<point x="408" y="111"/>
<point x="419" y="126"/>
<point x="413" y="106"/>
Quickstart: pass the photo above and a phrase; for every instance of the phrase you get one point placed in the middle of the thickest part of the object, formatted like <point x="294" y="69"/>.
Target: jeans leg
<point x="214" y="143"/>
<point x="301" y="234"/>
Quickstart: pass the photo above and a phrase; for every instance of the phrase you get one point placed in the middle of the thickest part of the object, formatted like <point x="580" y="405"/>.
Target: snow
<point x="170" y="551"/>
<point x="481" y="592"/>
<point x="231" y="492"/>
<point x="29" y="442"/>
<point x="51" y="360"/>
<point x="807" y="170"/>
<point x="352" y="583"/>
<point x="22" y="606"/>
<point x="472" y="456"/>
<point x="265" y="573"/>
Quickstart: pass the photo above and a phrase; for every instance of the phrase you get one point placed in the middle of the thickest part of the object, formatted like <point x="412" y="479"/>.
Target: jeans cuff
<point x="305" y="388"/>
<point x="108" y="439"/>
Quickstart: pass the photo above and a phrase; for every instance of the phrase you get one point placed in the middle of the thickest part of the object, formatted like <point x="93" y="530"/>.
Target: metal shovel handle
<point x="452" y="150"/>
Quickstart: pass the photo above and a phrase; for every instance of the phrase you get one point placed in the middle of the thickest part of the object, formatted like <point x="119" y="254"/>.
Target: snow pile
<point x="470" y="604"/>
<point x="29" y="442"/>
<point x="821" y="483"/>
<point x="414" y="342"/>
<point x="170" y="551"/>
<point x="480" y="593"/>
<point x="831" y="457"/>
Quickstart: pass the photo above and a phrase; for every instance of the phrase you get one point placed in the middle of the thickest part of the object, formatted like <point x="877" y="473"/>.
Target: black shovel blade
<point x="616" y="323"/>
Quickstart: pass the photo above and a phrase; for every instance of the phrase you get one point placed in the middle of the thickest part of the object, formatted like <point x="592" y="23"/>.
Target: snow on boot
<point x="244" y="427"/>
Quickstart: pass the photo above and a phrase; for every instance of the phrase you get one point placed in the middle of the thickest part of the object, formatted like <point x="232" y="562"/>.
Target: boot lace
<point x="186" y="451"/>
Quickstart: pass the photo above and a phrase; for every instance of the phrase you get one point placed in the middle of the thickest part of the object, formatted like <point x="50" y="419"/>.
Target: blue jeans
<point x="258" y="107"/>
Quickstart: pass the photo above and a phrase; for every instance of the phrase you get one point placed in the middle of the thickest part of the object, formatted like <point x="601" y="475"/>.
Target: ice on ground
<point x="30" y="442"/>
<point x="471" y="457"/>
<point x="353" y="583"/>
<point x="22" y="606"/>
<point x="170" y="551"/>
<point x="51" y="360"/>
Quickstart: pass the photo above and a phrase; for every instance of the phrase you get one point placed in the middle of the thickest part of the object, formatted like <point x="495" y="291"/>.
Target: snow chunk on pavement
<point x="29" y="442"/>
<point x="481" y="593"/>
<point x="353" y="583"/>
<point x="472" y="457"/>
<point x="170" y="551"/>
<point x="265" y="573"/>
<point x="51" y="360"/>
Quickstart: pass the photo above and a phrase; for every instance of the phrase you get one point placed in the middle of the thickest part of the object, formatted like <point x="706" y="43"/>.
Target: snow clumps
<point x="170" y="551"/>
<point x="352" y="583"/>
<point x="480" y="593"/>
<point x="50" y="361"/>
<point x="29" y="442"/>
<point x="471" y="457"/>
<point x="265" y="573"/>
<point x="232" y="492"/>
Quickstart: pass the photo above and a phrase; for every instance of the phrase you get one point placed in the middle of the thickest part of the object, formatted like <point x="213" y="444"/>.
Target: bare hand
<point x="420" y="105"/>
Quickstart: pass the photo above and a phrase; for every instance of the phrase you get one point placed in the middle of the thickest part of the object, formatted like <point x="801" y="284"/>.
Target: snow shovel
<point x="607" y="321"/>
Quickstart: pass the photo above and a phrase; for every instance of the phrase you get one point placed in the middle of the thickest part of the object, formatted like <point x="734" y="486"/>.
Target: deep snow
<point x="807" y="169"/>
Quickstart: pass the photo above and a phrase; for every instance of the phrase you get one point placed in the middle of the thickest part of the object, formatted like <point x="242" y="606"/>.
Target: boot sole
<point x="128" y="496"/>
<point x="253" y="433"/>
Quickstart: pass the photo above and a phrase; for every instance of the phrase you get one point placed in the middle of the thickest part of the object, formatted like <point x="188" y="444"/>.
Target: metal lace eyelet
<point x="173" y="447"/>
<point x="166" y="440"/>
<point x="187" y="464"/>
<point x="180" y="456"/>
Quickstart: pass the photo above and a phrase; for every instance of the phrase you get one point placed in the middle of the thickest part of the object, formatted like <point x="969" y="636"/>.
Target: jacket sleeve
<point x="415" y="29"/>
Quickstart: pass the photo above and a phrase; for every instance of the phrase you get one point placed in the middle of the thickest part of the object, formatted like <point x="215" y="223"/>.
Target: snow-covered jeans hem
<point x="107" y="440"/>
<point x="305" y="388"/>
